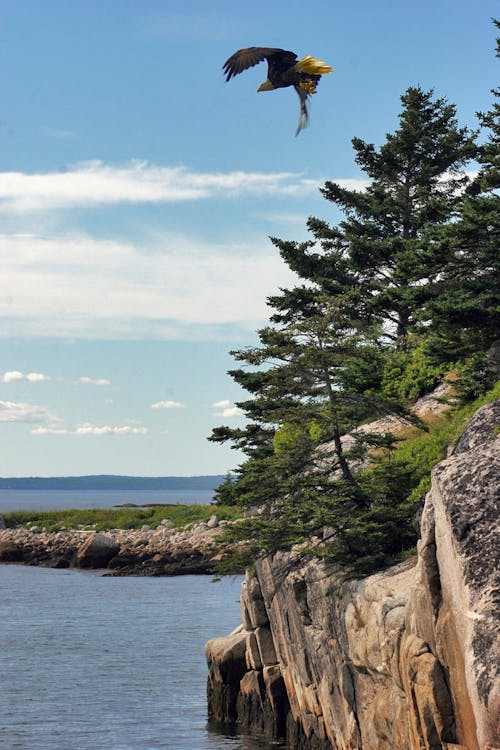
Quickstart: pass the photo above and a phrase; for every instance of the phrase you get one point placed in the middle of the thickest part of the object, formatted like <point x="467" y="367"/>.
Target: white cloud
<point x="223" y="404"/>
<point x="90" y="429"/>
<point x="49" y="431"/>
<point x="12" y="376"/>
<point x="227" y="408"/>
<point x="32" y="377"/>
<point x="94" y="183"/>
<point x="168" y="405"/>
<point x="231" y="411"/>
<point x="66" y="283"/>
<point x="50" y="424"/>
<point x="12" y="411"/>
<point x="175" y="286"/>
<point x="37" y="377"/>
<point x="93" y="381"/>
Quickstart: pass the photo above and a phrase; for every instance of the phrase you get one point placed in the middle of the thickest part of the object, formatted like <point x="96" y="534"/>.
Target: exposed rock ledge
<point x="403" y="660"/>
<point x="161" y="551"/>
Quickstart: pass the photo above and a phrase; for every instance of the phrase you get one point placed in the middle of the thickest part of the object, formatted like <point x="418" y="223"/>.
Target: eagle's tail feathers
<point x="304" y="112"/>
<point x="310" y="64"/>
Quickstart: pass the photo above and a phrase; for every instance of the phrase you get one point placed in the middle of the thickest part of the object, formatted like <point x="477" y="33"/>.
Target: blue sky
<point x="138" y="191"/>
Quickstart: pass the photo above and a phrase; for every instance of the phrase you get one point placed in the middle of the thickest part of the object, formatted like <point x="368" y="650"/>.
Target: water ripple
<point x="89" y="662"/>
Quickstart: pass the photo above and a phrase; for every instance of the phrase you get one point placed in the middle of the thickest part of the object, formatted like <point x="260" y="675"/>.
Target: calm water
<point x="88" y="662"/>
<point x="64" y="499"/>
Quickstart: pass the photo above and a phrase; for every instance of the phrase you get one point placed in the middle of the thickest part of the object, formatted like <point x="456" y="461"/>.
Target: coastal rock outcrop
<point x="97" y="551"/>
<point x="404" y="659"/>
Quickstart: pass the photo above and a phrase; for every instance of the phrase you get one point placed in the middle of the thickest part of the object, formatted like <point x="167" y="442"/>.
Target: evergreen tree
<point x="224" y="493"/>
<point x="314" y="388"/>
<point x="323" y="365"/>
<point x="379" y="251"/>
<point x="465" y="307"/>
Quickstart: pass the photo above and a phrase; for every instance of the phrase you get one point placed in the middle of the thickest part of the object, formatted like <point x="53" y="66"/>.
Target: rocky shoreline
<point x="164" y="550"/>
<point x="407" y="658"/>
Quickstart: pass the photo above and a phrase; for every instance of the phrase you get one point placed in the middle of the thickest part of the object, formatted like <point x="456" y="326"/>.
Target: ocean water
<point x="65" y="499"/>
<point x="89" y="662"/>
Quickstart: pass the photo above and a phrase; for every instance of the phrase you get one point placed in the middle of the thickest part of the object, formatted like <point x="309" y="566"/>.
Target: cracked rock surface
<point x="404" y="659"/>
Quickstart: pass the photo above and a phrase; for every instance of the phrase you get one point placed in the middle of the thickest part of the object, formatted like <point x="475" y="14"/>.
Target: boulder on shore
<point x="96" y="551"/>
<point x="10" y="551"/>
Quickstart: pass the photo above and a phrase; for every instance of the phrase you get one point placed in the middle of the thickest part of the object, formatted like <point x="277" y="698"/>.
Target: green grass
<point x="104" y="519"/>
<point x="421" y="452"/>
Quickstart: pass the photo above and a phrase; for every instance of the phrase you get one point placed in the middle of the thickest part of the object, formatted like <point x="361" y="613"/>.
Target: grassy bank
<point x="103" y="519"/>
<point x="417" y="455"/>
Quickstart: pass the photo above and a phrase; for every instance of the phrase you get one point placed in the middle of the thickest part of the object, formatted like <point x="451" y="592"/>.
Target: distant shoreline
<point x="111" y="482"/>
<point x="163" y="550"/>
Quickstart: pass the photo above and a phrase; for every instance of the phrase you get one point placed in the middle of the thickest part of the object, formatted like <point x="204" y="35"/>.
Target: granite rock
<point x="97" y="551"/>
<point x="404" y="659"/>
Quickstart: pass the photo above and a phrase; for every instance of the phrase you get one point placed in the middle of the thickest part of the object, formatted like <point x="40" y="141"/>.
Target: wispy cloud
<point x="168" y="405"/>
<point x="37" y="377"/>
<point x="84" y="380"/>
<point x="12" y="376"/>
<point x="95" y="183"/>
<point x="175" y="286"/>
<point x="50" y="424"/>
<point x="32" y="377"/>
<point x="49" y="431"/>
<point x="226" y="408"/>
<point x="165" y="285"/>
<point x="90" y="429"/>
<point x="282" y="218"/>
<point x="14" y="411"/>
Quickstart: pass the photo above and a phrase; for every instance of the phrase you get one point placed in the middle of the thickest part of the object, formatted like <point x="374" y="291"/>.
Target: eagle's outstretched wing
<point x="250" y="56"/>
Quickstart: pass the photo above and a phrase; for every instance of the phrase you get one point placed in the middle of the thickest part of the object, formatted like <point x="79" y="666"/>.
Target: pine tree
<point x="379" y="251"/>
<point x="320" y="368"/>
<point x="313" y="387"/>
<point x="465" y="307"/>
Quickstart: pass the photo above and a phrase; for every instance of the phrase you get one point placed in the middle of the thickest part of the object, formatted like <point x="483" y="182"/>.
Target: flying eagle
<point x="283" y="70"/>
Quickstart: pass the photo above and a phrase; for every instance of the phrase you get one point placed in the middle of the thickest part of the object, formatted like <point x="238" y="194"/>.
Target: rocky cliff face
<point x="405" y="659"/>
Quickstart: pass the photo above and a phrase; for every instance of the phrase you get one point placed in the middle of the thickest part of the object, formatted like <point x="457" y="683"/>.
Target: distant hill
<point x="111" y="482"/>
